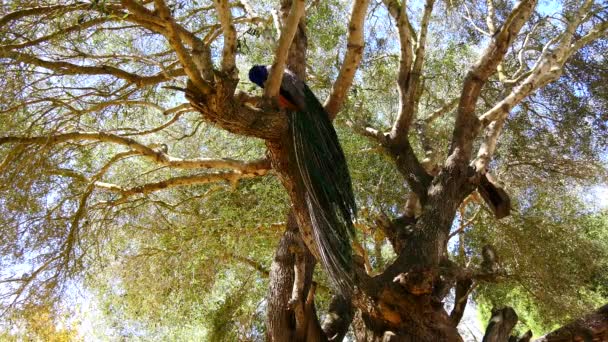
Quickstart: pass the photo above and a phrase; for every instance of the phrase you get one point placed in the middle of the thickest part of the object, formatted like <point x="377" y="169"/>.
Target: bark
<point x="280" y="321"/>
<point x="500" y="325"/>
<point x="293" y="316"/>
<point x="524" y="338"/>
<point x="338" y="319"/>
<point x="591" y="327"/>
<point x="460" y="300"/>
<point x="286" y="313"/>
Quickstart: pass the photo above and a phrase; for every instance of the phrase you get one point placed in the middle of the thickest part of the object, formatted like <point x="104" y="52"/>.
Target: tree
<point x="108" y="175"/>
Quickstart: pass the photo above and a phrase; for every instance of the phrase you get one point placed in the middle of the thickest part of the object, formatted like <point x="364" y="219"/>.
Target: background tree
<point x="169" y="208"/>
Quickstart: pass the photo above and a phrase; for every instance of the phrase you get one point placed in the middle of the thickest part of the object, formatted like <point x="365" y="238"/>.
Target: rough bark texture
<point x="280" y="323"/>
<point x="460" y="300"/>
<point x="282" y="316"/>
<point x="404" y="302"/>
<point x="592" y="327"/>
<point x="338" y="319"/>
<point x="500" y="325"/>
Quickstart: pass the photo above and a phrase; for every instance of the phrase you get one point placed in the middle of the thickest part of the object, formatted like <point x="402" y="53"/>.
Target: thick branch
<point x="352" y="58"/>
<point x="421" y="45"/>
<point x="229" y="51"/>
<point x="401" y="125"/>
<point x="409" y="166"/>
<point x="548" y="69"/>
<point x="184" y="56"/>
<point x="410" y="67"/>
<point x="235" y="113"/>
<point x="500" y="325"/>
<point x="467" y="125"/>
<point x="287" y="33"/>
<point x="410" y="71"/>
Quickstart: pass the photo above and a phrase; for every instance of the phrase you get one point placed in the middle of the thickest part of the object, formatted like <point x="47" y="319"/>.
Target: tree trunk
<point x="592" y="327"/>
<point x="500" y="325"/>
<point x="291" y="317"/>
<point x="404" y="303"/>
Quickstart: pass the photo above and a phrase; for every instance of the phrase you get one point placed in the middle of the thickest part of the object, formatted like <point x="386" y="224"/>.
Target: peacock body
<point x="323" y="170"/>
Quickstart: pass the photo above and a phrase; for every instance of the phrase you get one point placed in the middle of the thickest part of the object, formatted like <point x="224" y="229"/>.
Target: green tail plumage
<point x="329" y="194"/>
<point x="323" y="173"/>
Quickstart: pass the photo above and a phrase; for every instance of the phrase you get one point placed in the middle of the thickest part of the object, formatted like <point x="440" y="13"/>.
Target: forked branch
<point x="547" y="69"/>
<point x="467" y="125"/>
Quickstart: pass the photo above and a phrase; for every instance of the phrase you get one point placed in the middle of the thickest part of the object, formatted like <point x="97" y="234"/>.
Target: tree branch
<point x="45" y="10"/>
<point x="212" y="177"/>
<point x="185" y="58"/>
<point x="65" y="68"/>
<point x="352" y="58"/>
<point x="61" y="32"/>
<point x="228" y="54"/>
<point x="410" y="67"/>
<point x="201" y="53"/>
<point x="154" y="154"/>
<point x="467" y="125"/>
<point x="273" y="83"/>
<point x="547" y="69"/>
<point x="253" y="263"/>
<point x="401" y="125"/>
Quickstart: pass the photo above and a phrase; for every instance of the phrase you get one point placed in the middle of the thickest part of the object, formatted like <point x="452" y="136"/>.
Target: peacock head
<point x="258" y="74"/>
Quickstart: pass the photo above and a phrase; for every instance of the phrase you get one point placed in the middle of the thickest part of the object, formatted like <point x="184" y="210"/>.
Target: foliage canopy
<point x="112" y="182"/>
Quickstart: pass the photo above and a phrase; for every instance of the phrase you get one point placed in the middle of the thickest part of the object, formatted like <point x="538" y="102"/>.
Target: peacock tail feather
<point x="324" y="174"/>
<point x="329" y="194"/>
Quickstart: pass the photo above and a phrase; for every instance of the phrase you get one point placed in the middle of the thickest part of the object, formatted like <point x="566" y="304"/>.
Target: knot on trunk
<point x="419" y="281"/>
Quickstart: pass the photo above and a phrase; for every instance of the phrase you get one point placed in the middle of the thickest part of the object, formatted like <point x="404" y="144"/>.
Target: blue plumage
<point x="258" y="74"/>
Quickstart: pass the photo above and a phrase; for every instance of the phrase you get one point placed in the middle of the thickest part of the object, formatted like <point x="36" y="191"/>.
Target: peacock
<point x="324" y="173"/>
